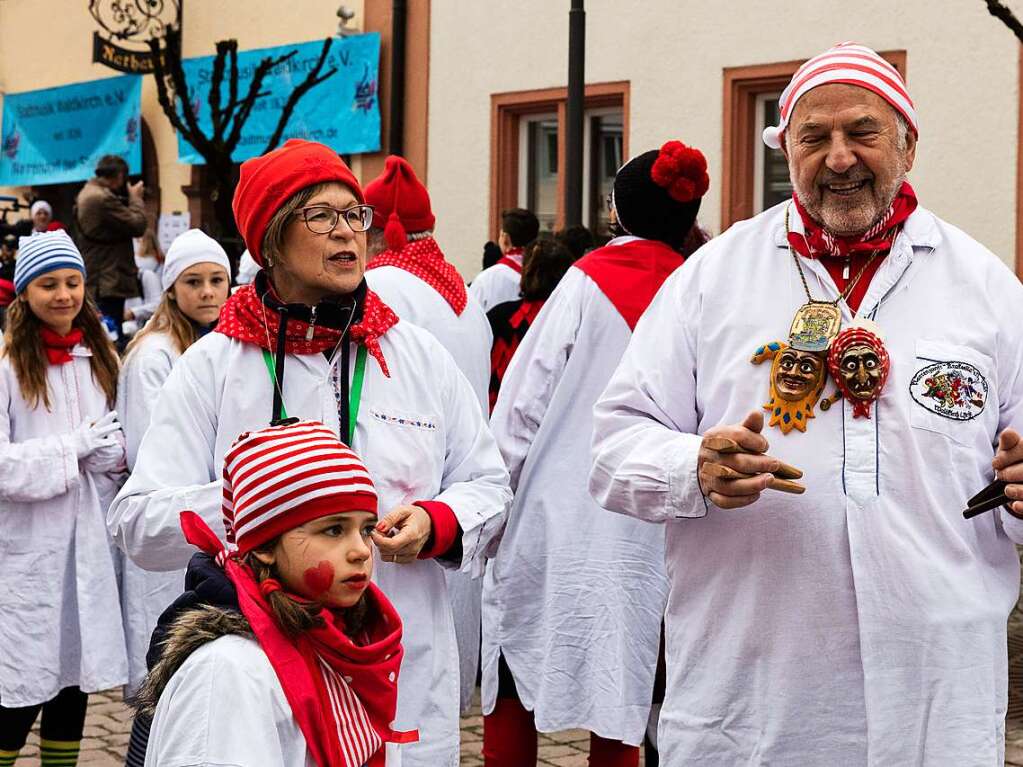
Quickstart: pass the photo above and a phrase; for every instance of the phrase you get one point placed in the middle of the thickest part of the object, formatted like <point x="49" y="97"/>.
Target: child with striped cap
<point x="62" y="453"/>
<point x="305" y="670"/>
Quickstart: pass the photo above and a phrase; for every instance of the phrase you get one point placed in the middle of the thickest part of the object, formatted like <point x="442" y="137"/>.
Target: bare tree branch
<point x="216" y="115"/>
<point x="1003" y="12"/>
<point x="312" y="80"/>
<point x="254" y="94"/>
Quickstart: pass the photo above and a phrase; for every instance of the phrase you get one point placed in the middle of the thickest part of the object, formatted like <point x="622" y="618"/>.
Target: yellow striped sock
<point x="7" y="758"/>
<point x="58" y="753"/>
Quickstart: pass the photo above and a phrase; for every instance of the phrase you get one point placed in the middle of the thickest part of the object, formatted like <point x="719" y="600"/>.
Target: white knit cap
<point x="42" y="253"/>
<point x="188" y="249"/>
<point x="40" y="205"/>
<point x="848" y="63"/>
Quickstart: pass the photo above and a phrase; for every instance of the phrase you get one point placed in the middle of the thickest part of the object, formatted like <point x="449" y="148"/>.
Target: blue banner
<point x="56" y="135"/>
<point x="342" y="112"/>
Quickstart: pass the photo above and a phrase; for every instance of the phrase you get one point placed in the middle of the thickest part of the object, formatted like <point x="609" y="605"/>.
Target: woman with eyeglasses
<point x="308" y="340"/>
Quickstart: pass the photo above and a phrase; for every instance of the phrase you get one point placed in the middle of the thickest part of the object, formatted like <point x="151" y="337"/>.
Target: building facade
<point x="485" y="97"/>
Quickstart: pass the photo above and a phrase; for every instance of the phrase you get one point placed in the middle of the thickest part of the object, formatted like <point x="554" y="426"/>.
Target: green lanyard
<point x="354" y="396"/>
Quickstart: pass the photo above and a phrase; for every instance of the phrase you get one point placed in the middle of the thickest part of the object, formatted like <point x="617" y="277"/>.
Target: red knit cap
<point x="401" y="202"/>
<point x="268" y="181"/>
<point x="278" y="478"/>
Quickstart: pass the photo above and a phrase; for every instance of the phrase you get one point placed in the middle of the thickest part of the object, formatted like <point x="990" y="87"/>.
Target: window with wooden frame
<point x="753" y="176"/>
<point x="527" y="151"/>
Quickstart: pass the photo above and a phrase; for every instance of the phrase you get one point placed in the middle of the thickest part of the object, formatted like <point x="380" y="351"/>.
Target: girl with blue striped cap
<point x="61" y="460"/>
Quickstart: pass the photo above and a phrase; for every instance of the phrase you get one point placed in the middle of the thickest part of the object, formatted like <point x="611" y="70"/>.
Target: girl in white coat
<point x="196" y="276"/>
<point x="61" y="451"/>
<point x="302" y="670"/>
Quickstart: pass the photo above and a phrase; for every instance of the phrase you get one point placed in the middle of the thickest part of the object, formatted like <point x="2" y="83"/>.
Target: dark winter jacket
<point x="105" y="226"/>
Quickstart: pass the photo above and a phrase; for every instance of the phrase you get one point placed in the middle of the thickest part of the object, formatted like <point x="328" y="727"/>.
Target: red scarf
<point x="7" y="294"/>
<point x="630" y="274"/>
<point x="246" y="318"/>
<point x="424" y="259"/>
<point x="513" y="259"/>
<point x="818" y="242"/>
<point x="57" y="347"/>
<point x="343" y="695"/>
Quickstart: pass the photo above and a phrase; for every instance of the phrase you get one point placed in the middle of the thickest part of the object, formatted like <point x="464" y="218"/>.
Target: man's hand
<point x="135" y="190"/>
<point x="412" y="527"/>
<point x="1008" y="465"/>
<point x="736" y="493"/>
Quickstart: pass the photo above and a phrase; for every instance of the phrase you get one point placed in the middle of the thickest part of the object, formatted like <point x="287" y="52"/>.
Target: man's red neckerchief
<point x="246" y="318"/>
<point x="818" y="242"/>
<point x="424" y="259"/>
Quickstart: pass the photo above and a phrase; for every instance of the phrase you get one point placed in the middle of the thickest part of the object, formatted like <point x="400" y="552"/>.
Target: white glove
<point x="91" y="435"/>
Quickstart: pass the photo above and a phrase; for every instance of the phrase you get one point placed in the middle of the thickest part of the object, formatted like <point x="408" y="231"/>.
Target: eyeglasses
<point x="320" y="219"/>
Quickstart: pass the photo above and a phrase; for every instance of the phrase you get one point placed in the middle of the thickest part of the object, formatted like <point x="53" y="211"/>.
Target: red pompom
<point x="394" y="233"/>
<point x="682" y="170"/>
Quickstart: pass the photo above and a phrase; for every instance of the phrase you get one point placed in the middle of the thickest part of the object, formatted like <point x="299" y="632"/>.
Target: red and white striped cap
<point x="278" y="478"/>
<point x="849" y="63"/>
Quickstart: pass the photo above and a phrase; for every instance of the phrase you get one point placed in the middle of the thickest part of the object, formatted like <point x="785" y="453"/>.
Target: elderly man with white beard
<point x="857" y="618"/>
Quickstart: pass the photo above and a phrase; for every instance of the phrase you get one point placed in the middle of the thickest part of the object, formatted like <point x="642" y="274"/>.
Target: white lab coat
<point x="225" y="706"/>
<point x="862" y="623"/>
<point x="575" y="595"/>
<point x="144" y="594"/>
<point x="60" y="621"/>
<point x="495" y="285"/>
<point x="468" y="338"/>
<point x="421" y="434"/>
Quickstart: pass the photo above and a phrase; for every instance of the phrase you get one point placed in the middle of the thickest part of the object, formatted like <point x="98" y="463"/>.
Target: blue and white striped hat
<point x="44" y="253"/>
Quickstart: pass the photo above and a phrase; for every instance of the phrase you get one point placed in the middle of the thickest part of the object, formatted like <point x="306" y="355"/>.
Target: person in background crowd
<point x="308" y="339"/>
<point x="412" y="276"/>
<point x="247" y="269"/>
<point x="8" y="254"/>
<point x="577" y="239"/>
<point x="62" y="453"/>
<point x="864" y="620"/>
<point x="602" y="575"/>
<point x="491" y="254"/>
<point x="106" y="222"/>
<point x="303" y="668"/>
<point x="149" y="261"/>
<point x="546" y="261"/>
<point x="500" y="282"/>
<point x="42" y="217"/>
<point x="196" y="280"/>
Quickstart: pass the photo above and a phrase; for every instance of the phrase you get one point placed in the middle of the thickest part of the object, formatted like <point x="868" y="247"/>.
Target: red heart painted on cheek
<point x="320" y="578"/>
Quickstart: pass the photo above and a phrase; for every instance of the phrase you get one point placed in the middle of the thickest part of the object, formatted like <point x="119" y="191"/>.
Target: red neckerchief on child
<point x="247" y="318"/>
<point x="833" y="251"/>
<point x="507" y="342"/>
<point x="424" y="259"/>
<point x="343" y="695"/>
<point x="513" y="259"/>
<point x="630" y="273"/>
<point x="57" y="347"/>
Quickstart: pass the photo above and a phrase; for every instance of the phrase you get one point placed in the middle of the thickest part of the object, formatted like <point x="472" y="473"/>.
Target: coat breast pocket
<point x="952" y="392"/>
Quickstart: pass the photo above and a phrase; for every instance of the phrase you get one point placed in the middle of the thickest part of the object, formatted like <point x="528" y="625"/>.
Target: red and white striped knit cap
<point x="849" y="63"/>
<point x="278" y="478"/>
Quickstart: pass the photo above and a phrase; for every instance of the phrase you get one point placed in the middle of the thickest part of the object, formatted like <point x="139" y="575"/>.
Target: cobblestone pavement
<point x="109" y="722"/>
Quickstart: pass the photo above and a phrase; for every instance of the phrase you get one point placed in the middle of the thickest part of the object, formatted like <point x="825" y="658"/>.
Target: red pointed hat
<point x="401" y="202"/>
<point x="268" y="181"/>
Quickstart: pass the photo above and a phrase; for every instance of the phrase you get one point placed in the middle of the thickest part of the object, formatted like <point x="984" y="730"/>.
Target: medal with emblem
<point x="800" y="368"/>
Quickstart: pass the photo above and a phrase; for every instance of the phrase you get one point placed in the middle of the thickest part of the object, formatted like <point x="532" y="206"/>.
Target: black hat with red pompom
<point x="657" y="194"/>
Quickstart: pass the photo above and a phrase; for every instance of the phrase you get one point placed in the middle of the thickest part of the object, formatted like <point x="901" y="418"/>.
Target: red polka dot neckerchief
<point x="246" y="318"/>
<point x="424" y="259"/>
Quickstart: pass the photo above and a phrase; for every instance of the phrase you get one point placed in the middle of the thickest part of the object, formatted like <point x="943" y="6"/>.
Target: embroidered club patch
<point x="955" y="390"/>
